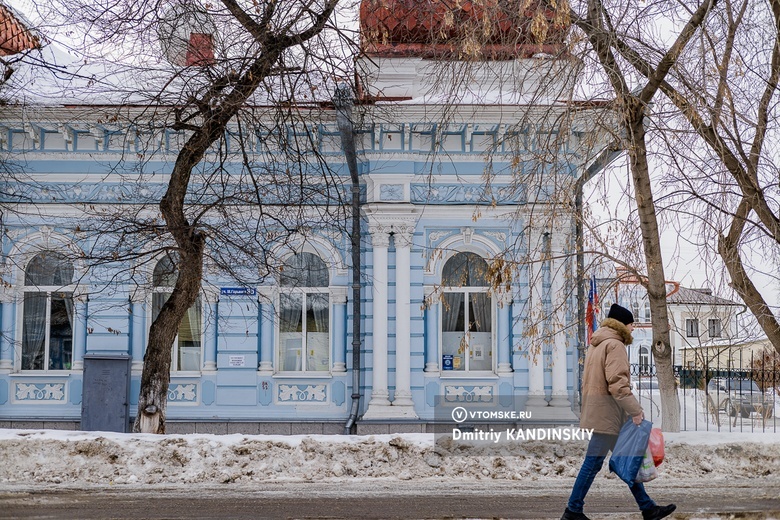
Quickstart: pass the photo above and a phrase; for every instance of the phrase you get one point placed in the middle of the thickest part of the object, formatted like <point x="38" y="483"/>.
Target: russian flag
<point x="591" y="316"/>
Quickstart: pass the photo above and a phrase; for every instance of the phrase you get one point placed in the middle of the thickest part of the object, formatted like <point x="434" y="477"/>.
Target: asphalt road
<point x="731" y="498"/>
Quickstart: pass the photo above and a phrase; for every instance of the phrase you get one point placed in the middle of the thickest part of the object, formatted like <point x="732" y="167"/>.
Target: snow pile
<point x="37" y="456"/>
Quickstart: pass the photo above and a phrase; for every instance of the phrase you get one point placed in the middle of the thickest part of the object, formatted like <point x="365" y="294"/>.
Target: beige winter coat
<point x="607" y="401"/>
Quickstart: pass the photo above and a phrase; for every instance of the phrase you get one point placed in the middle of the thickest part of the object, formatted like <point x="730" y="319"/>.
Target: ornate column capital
<point x="403" y="234"/>
<point x="380" y="235"/>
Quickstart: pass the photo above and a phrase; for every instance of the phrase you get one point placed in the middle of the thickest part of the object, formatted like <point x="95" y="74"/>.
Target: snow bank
<point x="47" y="456"/>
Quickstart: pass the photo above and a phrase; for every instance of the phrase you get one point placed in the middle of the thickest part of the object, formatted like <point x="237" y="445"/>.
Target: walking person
<point x="607" y="403"/>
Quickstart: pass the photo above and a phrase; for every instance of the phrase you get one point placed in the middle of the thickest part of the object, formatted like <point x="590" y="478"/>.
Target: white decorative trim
<point x="302" y="393"/>
<point x="469" y="394"/>
<point x="38" y="392"/>
<point x="314" y="244"/>
<point x="468" y="233"/>
<point x="498" y="235"/>
<point x="183" y="394"/>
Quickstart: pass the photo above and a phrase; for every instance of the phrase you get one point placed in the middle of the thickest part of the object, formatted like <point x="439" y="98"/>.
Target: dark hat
<point x="621" y="314"/>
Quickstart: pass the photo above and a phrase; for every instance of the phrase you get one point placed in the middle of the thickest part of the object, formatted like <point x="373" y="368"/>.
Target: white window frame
<point x="466" y="291"/>
<point x="175" y="346"/>
<point x="278" y="326"/>
<point x="48" y="290"/>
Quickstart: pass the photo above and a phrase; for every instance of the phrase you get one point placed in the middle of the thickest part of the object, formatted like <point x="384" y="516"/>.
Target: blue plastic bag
<point x="629" y="450"/>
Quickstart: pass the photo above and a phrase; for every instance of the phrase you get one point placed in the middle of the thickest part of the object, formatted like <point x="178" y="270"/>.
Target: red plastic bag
<point x="656" y="445"/>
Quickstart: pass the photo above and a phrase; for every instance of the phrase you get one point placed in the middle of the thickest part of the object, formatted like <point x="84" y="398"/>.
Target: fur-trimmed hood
<point x="612" y="329"/>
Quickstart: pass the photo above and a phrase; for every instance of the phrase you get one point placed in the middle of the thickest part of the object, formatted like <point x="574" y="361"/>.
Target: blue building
<point x="455" y="183"/>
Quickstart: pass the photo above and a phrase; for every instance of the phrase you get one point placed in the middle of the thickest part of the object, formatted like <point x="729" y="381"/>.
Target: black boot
<point x="571" y="515"/>
<point x="658" y="512"/>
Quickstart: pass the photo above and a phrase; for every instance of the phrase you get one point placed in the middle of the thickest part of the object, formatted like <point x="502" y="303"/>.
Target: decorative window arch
<point x="304" y="315"/>
<point x="467" y="315"/>
<point x="47" y="312"/>
<point x="187" y="351"/>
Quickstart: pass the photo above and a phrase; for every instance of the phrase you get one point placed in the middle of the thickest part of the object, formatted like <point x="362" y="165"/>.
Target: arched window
<point x="187" y="347"/>
<point x="304" y="315"/>
<point x="644" y="360"/>
<point x="467" y="315"/>
<point x="47" y="322"/>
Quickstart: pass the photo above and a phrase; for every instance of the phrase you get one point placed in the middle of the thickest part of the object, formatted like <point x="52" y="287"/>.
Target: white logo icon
<point x="459" y="414"/>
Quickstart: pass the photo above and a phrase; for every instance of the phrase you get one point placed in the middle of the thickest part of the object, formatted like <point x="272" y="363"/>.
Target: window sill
<point x="43" y="373"/>
<point x="469" y="376"/>
<point x="302" y="375"/>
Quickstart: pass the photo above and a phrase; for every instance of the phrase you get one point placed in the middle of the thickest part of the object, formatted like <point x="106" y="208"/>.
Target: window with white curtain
<point x="187" y="347"/>
<point x="47" y="315"/>
<point x="304" y="315"/>
<point x="467" y="314"/>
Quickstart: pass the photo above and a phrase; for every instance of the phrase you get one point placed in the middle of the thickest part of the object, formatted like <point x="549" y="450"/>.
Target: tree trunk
<point x="656" y="281"/>
<point x="728" y="248"/>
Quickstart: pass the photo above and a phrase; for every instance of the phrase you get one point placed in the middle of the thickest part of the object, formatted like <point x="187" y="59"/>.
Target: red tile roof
<point x="492" y="29"/>
<point x="15" y="37"/>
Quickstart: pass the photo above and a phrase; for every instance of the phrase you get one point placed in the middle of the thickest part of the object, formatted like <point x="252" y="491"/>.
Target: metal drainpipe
<point x="343" y="101"/>
<point x="603" y="160"/>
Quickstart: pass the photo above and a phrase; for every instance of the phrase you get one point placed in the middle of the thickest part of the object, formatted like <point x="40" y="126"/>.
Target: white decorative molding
<point x="183" y="393"/>
<point x="435" y="236"/>
<point x="498" y="235"/>
<point x="469" y="394"/>
<point x="39" y="392"/>
<point x="302" y="393"/>
<point x="468" y="233"/>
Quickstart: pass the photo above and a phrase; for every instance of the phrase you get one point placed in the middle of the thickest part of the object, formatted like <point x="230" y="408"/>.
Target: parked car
<point x="738" y="396"/>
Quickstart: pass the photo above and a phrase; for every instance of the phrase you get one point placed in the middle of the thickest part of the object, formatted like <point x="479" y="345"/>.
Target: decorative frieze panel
<point x="183" y="393"/>
<point x="457" y="137"/>
<point x="425" y="193"/>
<point x="133" y="193"/>
<point x="469" y="393"/>
<point x="302" y="393"/>
<point x="391" y="192"/>
<point x="39" y="392"/>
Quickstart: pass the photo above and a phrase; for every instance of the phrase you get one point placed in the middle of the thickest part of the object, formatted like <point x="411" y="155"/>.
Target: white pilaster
<point x="338" y="299"/>
<point x="6" y="340"/>
<point x="403" y="339"/>
<point x="380" y="240"/>
<point x="431" y="332"/>
<point x="535" y="355"/>
<point x="503" y="343"/>
<point x="558" y="298"/>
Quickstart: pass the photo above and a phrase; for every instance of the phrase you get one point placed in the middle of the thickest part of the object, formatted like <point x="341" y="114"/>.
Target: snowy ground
<point x="99" y="458"/>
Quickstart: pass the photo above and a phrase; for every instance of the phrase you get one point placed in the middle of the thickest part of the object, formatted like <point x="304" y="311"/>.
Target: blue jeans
<point x="601" y="444"/>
